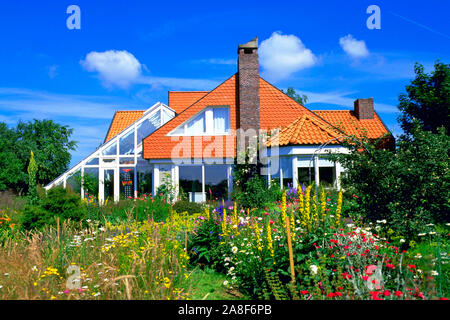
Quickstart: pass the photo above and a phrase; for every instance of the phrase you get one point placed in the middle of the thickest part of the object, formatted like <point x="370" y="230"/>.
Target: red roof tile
<point x="349" y="123"/>
<point x="305" y="130"/>
<point x="180" y="100"/>
<point x="121" y="120"/>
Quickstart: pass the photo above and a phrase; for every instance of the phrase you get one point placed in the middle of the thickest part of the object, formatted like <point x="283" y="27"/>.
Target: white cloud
<point x="115" y="68"/>
<point x="354" y="48"/>
<point x="282" y="55"/>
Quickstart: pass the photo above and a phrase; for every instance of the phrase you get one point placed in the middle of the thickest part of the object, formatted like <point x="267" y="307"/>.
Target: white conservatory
<point x="116" y="169"/>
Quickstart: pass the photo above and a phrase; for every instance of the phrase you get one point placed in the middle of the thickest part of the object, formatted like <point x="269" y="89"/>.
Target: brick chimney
<point x="248" y="80"/>
<point x="363" y="108"/>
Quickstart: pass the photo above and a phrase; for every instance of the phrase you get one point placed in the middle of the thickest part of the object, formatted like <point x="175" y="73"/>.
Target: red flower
<point x="304" y="292"/>
<point x="411" y="266"/>
<point x="271" y="221"/>
<point x="390" y="266"/>
<point x="443" y="298"/>
<point x="398" y="293"/>
<point x="338" y="294"/>
<point x="365" y="278"/>
<point x="387" y="293"/>
<point x="331" y="295"/>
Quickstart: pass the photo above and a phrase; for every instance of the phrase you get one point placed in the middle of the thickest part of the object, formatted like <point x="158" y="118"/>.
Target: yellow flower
<point x="339" y="208"/>
<point x="283" y="208"/>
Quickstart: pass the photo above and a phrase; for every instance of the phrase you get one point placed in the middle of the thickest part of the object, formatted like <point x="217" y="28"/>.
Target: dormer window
<point x="211" y="121"/>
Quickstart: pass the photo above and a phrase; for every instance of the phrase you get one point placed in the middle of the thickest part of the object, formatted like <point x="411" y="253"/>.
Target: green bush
<point x="58" y="202"/>
<point x="189" y="207"/>
<point x="408" y="187"/>
<point x="254" y="193"/>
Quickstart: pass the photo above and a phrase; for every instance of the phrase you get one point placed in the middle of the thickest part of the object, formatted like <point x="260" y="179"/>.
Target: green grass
<point x="207" y="284"/>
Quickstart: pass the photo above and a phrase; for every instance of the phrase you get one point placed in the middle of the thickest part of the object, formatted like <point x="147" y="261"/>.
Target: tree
<point x="427" y="99"/>
<point x="409" y="186"/>
<point x="50" y="143"/>
<point x="302" y="99"/>
<point x="12" y="173"/>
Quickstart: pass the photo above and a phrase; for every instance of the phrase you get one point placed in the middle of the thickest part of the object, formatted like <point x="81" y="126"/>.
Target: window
<point x="148" y="126"/>
<point x="212" y="121"/>
<point x="190" y="182"/>
<point x="221" y="118"/>
<point x="216" y="182"/>
<point x="126" y="143"/>
<point x="303" y="175"/>
<point x="326" y="176"/>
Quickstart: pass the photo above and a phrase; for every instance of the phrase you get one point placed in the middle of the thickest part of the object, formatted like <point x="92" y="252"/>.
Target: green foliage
<point x="302" y="99"/>
<point x="187" y="206"/>
<point x="89" y="183"/>
<point x="254" y="193"/>
<point x="51" y="144"/>
<point x="409" y="187"/>
<point x="204" y="244"/>
<point x="12" y="174"/>
<point x="166" y="190"/>
<point x="57" y="203"/>
<point x="427" y="99"/>
<point x="129" y="209"/>
<point x="32" y="170"/>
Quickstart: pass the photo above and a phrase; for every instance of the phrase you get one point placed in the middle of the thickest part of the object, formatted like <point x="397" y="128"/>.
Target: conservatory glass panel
<point x="126" y="160"/>
<point x="144" y="180"/>
<point x="148" y="126"/>
<point x="90" y="182"/>
<point x="74" y="181"/>
<point x="126" y="183"/>
<point x="109" y="184"/>
<point x="111" y="150"/>
<point x="92" y="162"/>
<point x="126" y="144"/>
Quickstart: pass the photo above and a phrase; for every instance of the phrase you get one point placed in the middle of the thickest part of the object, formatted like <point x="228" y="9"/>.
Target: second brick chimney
<point x="248" y="81"/>
<point x="363" y="109"/>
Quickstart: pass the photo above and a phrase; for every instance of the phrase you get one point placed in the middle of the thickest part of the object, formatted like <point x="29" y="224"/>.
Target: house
<point x="193" y="141"/>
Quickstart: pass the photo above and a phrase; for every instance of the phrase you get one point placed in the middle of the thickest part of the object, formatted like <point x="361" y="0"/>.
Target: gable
<point x="160" y="145"/>
<point x="121" y="120"/>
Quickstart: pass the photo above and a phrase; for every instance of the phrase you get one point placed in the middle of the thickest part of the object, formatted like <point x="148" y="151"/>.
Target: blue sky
<point x="49" y="71"/>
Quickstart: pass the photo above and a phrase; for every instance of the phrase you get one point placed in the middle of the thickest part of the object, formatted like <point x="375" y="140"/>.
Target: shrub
<point x="187" y="206"/>
<point x="408" y="187"/>
<point x="58" y="202"/>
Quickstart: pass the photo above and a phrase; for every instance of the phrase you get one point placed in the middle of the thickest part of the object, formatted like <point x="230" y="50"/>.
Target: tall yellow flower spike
<point x="283" y="208"/>
<point x="224" y="219"/>
<point x="269" y="240"/>
<point x="339" y="208"/>
<point x="307" y="212"/>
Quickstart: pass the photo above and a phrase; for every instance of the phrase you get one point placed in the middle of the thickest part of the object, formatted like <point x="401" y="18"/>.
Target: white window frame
<point x="209" y="124"/>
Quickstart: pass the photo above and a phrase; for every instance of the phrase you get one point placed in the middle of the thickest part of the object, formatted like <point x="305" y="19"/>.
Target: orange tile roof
<point x="180" y="100"/>
<point x="277" y="110"/>
<point x="297" y="124"/>
<point x="121" y="120"/>
<point x="160" y="146"/>
<point x="348" y="123"/>
<point x="307" y="129"/>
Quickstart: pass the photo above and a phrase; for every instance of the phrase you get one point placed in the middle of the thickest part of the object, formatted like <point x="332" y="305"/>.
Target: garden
<point x="384" y="236"/>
